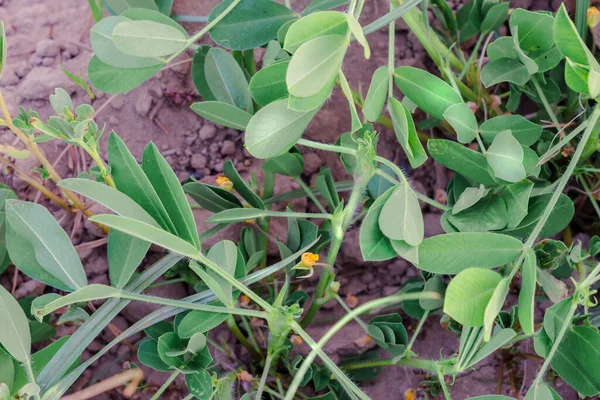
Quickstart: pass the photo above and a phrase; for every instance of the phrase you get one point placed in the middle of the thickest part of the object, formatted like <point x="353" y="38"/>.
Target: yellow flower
<point x="409" y="394"/>
<point x="309" y="259"/>
<point x="296" y="340"/>
<point x="593" y="17"/>
<point x="224" y="183"/>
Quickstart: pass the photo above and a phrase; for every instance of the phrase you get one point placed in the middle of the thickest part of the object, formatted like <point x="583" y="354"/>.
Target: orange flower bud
<point x="593" y="17"/>
<point x="296" y="340"/>
<point x="224" y="183"/>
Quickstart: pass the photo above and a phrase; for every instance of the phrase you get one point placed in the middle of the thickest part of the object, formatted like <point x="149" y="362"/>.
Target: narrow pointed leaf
<point x="14" y="334"/>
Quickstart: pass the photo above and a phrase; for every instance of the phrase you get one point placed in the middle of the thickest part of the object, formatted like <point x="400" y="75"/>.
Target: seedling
<point x="505" y="213"/>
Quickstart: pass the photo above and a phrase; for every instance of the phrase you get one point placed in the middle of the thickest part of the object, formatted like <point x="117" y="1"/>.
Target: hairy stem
<point x="263" y="378"/>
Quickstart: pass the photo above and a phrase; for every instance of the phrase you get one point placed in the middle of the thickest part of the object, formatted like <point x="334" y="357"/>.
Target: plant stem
<point x="420" y="196"/>
<point x="263" y="378"/>
<point x="326" y="147"/>
<point x="265" y="223"/>
<point x="98" y="160"/>
<point x="349" y="310"/>
<point x="547" y="106"/>
<point x="391" y="54"/>
<point x="416" y="332"/>
<point x="310" y="194"/>
<point x="440" y="375"/>
<point x="234" y="328"/>
<point x="563" y="329"/>
<point x="471" y="58"/>
<point x="165" y="385"/>
<point x="192" y="306"/>
<point x="30" y="374"/>
<point x="590" y="196"/>
<point x="428" y="365"/>
<point x="556" y="148"/>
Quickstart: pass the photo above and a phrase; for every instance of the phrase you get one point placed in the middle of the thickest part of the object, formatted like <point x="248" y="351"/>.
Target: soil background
<point x="47" y="35"/>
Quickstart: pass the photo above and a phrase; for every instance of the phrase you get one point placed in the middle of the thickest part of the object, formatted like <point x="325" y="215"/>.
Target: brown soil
<point x="44" y="36"/>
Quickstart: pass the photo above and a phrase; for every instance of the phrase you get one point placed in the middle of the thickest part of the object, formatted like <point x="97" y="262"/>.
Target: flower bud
<point x="593" y="17"/>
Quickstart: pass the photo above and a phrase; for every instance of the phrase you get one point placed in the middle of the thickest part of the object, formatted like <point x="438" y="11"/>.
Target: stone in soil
<point x="208" y="132"/>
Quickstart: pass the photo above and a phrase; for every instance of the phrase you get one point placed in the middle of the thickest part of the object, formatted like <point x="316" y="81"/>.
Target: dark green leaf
<point x="148" y="355"/>
<point x="504" y="70"/>
<point x="461" y="159"/>
<point x="211" y="198"/>
<point x="223" y="114"/>
<point x="198" y="76"/>
<point x="200" y="384"/>
<point x="269" y="84"/>
<point x="525" y="131"/>
<point x="115" y="80"/>
<point x="241" y="187"/>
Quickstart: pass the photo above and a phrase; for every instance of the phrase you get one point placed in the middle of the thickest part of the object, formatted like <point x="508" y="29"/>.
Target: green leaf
<point x="504" y="70"/>
<point x="241" y="187"/>
<point x="462" y="119"/>
<point x="41" y="331"/>
<point x="313" y="26"/>
<point x="461" y="159"/>
<point x="14" y="334"/>
<point x="559" y="218"/>
<point x="555" y="317"/>
<point x="460" y="251"/>
<point x="326" y="187"/>
<point x="427" y="91"/>
<point x="503" y="47"/>
<point x="400" y="217"/>
<point x="315" y="64"/>
<point x="576" y="77"/>
<point x="200" y="384"/>
<point x="167" y="343"/>
<point x="468" y="295"/>
<point x="494" y="307"/>
<point x="171" y="194"/>
<point x="585" y="344"/>
<point x="3" y="46"/>
<point x="497" y="341"/>
<point x="505" y="156"/>
<point x="211" y="198"/>
<point x="530" y="65"/>
<point x="273" y="130"/>
<point x="252" y="23"/>
<point x="406" y="133"/>
<point x="148" y="233"/>
<point x="489" y="214"/>
<point x="348" y="94"/>
<point x="433" y="285"/>
<point x="318" y="5"/>
<point x="535" y="29"/>
<point x="115" y="80"/>
<point x="389" y="333"/>
<point x="125" y="254"/>
<point x="468" y="198"/>
<point x="357" y="32"/>
<point x="199" y="321"/>
<point x="225" y="255"/>
<point x="288" y="164"/>
<point x="148" y="38"/>
<point x="525" y="131"/>
<point x="516" y="198"/>
<point x="61" y="100"/>
<point x="106" y="51"/>
<point x="527" y="292"/>
<point x="541" y="391"/>
<point x="156" y="330"/>
<point x="198" y="75"/>
<point x="268" y="84"/>
<point x="494" y="18"/>
<point x="546" y="59"/>
<point x="119" y="6"/>
<point x="226" y="79"/>
<point x="376" y="95"/>
<point x="148" y="355"/>
<point x="374" y="245"/>
<point x="567" y="39"/>
<point x="131" y="180"/>
<point x="48" y="303"/>
<point x="7" y="372"/>
<point x="223" y="114"/>
<point x="305" y="104"/>
<point x="40" y="247"/>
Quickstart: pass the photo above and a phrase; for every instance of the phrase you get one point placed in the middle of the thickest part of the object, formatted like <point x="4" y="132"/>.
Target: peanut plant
<point x="505" y="214"/>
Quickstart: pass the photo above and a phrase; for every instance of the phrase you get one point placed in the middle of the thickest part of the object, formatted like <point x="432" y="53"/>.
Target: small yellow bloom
<point x="244" y="300"/>
<point x="309" y="259"/>
<point x="363" y="341"/>
<point x="409" y="394"/>
<point x="296" y="340"/>
<point x="593" y="17"/>
<point x="224" y="183"/>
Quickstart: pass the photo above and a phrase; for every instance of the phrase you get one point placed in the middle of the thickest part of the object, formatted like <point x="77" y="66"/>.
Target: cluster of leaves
<point x="506" y="193"/>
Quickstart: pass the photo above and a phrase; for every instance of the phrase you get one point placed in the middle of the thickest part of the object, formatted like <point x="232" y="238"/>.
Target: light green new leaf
<point x="516" y="198"/>
<point x="374" y="245"/>
<point x="7" y="374"/>
<point x="347" y="91"/>
<point x="226" y="79"/>
<point x="148" y="233"/>
<point x="525" y="131"/>
<point x="468" y="198"/>
<point x="250" y="24"/>
<point x="314" y="64"/>
<point x="223" y="114"/>
<point x="318" y="5"/>
<point x="461" y="159"/>
<point x="376" y="95"/>
<point x="306" y="104"/>
<point x="14" y="334"/>
<point x="400" y="217"/>
<point x="170" y="193"/>
<point x="540" y="391"/>
<point x="535" y="29"/>
<point x="314" y="25"/>
<point x="406" y="133"/>
<point x="462" y="119"/>
<point x="40" y="247"/>
<point x="119" y="6"/>
<point x="468" y="295"/>
<point x="357" y="32"/>
<point x="148" y="38"/>
<point x="61" y="100"/>
<point x="494" y="307"/>
<point x="505" y="157"/>
<point x="494" y="18"/>
<point x="567" y="39"/>
<point x="125" y="253"/>
<point x="503" y="47"/>
<point x="504" y="70"/>
<point x="453" y="252"/>
<point x="497" y="341"/>
<point x="115" y="80"/>
<point x="576" y="77"/>
<point x="48" y="303"/>
<point x="268" y="84"/>
<point x="527" y="293"/>
<point x="225" y="255"/>
<point x="105" y="49"/>
<point x="427" y="91"/>
<point x="274" y="129"/>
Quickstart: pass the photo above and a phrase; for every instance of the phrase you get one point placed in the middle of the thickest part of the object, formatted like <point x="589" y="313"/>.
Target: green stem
<point x="547" y="106"/>
<point x="471" y="58"/>
<point x="349" y="310"/>
<point x="420" y="196"/>
<point x="239" y="335"/>
<point x="30" y="374"/>
<point x="590" y="196"/>
<point x="265" y="223"/>
<point x="416" y="332"/>
<point x="563" y="329"/>
<point x="326" y="147"/>
<point x="193" y="306"/>
<point x="165" y="385"/>
<point x="556" y="148"/>
<point x="263" y="378"/>
<point x="428" y="365"/>
<point x="440" y="375"/>
<point x="250" y="62"/>
<point x="310" y="194"/>
<point x="251" y="334"/>
<point x="391" y="54"/>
